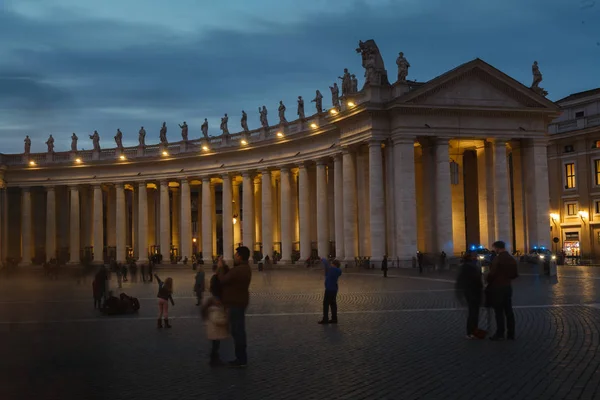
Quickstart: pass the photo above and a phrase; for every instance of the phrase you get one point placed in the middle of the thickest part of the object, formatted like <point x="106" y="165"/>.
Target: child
<point x="199" y="286"/>
<point x="214" y="314"/>
<point x="165" y="293"/>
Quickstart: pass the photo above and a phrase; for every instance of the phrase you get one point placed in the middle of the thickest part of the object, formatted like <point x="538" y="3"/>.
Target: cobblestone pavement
<point x="398" y="338"/>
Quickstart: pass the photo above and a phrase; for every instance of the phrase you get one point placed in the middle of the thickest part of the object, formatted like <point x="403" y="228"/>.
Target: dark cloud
<point x="78" y="74"/>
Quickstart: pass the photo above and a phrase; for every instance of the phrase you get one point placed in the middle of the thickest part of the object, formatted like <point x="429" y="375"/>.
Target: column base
<point x="73" y="263"/>
<point x="98" y="262"/>
<point x="142" y="261"/>
<point x="24" y="264"/>
<point x="284" y="261"/>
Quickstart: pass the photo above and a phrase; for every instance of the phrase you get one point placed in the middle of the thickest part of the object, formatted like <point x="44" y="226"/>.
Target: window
<point x="570" y="176"/>
<point x="569" y="149"/>
<point x="597" y="206"/>
<point x="571" y="209"/>
<point x="579" y="114"/>
<point x="597" y="171"/>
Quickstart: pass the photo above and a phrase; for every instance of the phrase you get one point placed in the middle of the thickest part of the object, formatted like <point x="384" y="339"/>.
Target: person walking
<point x="384" y="266"/>
<point x="235" y="297"/>
<point x="470" y="288"/>
<point x="332" y="274"/>
<point x="502" y="271"/>
<point x="165" y="294"/>
<point x="199" y="286"/>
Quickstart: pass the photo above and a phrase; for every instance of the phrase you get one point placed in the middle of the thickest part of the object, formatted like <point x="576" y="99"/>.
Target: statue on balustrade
<point x="50" y="144"/>
<point x="96" y="140"/>
<point x="354" y="83"/>
<point x="403" y="67"/>
<point x="335" y="95"/>
<point x="346" y="82"/>
<point x="264" y="122"/>
<point x="204" y="128"/>
<point x="372" y="62"/>
<point x="223" y="126"/>
<point x="537" y="78"/>
<point x="27" y="145"/>
<point x="319" y="102"/>
<point x="184" y="131"/>
<point x="163" y="133"/>
<point x="301" y="108"/>
<point x="281" y="110"/>
<point x="142" y="137"/>
<point x="244" y="121"/>
<point x="74" y="140"/>
<point x="119" y="139"/>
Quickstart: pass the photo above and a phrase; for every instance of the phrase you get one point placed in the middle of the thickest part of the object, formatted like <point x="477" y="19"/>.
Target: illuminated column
<point x="286" y="215"/>
<point x="257" y="210"/>
<point x="537" y="194"/>
<point x="350" y="206"/>
<point x="304" y="200"/>
<point x="237" y="227"/>
<point x="502" y="212"/>
<point x="135" y="236"/>
<point x="485" y="192"/>
<point x="338" y="194"/>
<point x="121" y="223"/>
<point x="227" y="219"/>
<point x="165" y="223"/>
<point x="199" y="212"/>
<point x="405" y="198"/>
<point x="26" y="237"/>
<point x="98" y="226"/>
<point x="267" y="216"/>
<point x="376" y="202"/>
<point x="214" y="217"/>
<point x="207" y="221"/>
<point x="185" y="238"/>
<point x="110" y="217"/>
<point x="322" y="216"/>
<point x="248" y="210"/>
<point x="142" y="223"/>
<point x="175" y="218"/>
<point x="443" y="198"/>
<point x="50" y="223"/>
<point x="74" y="223"/>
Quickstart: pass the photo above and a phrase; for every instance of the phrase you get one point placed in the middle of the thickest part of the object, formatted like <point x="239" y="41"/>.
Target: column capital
<point x="374" y="142"/>
<point x="73" y="188"/>
<point x="119" y="185"/>
<point x="97" y="186"/>
<point x="164" y="182"/>
<point x="284" y="169"/>
<point x="142" y="184"/>
<point x="226" y="176"/>
<point x="498" y="141"/>
<point x="248" y="174"/>
<point x="265" y="171"/>
<point x="337" y="157"/>
<point x="183" y="181"/>
<point x="302" y="165"/>
<point x="50" y="188"/>
<point x="397" y="139"/>
<point x="25" y="189"/>
<point x="206" y="179"/>
<point x="323" y="161"/>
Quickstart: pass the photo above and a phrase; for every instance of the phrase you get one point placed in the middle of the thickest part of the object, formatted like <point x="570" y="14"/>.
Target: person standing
<point x="215" y="315"/>
<point x="384" y="266"/>
<point x="199" y="286"/>
<point x="165" y="293"/>
<point x="235" y="296"/>
<point x="469" y="285"/>
<point x="332" y="273"/>
<point x="502" y="271"/>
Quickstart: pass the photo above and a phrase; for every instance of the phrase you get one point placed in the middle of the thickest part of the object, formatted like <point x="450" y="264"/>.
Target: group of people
<point x="496" y="294"/>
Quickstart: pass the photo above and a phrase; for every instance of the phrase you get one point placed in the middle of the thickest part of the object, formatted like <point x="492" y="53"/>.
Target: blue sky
<point x="80" y="65"/>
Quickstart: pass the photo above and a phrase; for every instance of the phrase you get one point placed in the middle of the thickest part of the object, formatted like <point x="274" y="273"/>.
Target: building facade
<point x="574" y="166"/>
<point x="393" y="169"/>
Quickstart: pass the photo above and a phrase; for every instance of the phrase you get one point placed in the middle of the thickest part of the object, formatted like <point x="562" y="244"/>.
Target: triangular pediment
<point x="477" y="84"/>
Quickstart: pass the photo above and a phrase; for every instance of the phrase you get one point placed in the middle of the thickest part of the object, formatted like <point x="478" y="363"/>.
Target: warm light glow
<point x="554" y="216"/>
<point x="583" y="214"/>
<point x="351" y="104"/>
<point x="205" y="148"/>
<point x="333" y="111"/>
<point x="122" y="157"/>
<point x="31" y="162"/>
<point x="194" y="240"/>
<point x="78" y="160"/>
<point x="234" y="220"/>
<point x="279" y="134"/>
<point x="164" y="153"/>
<point x="314" y="126"/>
<point x="243" y="142"/>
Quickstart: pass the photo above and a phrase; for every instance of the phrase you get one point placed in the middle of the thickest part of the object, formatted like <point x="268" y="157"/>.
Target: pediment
<point x="477" y="84"/>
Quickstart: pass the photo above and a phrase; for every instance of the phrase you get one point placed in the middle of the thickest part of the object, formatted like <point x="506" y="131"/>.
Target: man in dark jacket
<point x="332" y="274"/>
<point x="384" y="266"/>
<point x="502" y="271"/>
<point x="235" y="296"/>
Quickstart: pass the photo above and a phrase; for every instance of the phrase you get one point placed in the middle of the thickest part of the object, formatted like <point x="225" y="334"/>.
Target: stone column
<point x="286" y="217"/>
<point x="142" y="221"/>
<point x="175" y="218"/>
<point x="267" y="216"/>
<point x="227" y="219"/>
<point x="537" y="195"/>
<point x="520" y="234"/>
<point x="338" y="194"/>
<point x="50" y="223"/>
<point x="377" y="202"/>
<point x="502" y="212"/>
<point x="390" y="219"/>
<point x="295" y="207"/>
<point x="405" y="196"/>
<point x="304" y="200"/>
<point x="110" y="217"/>
<point x="74" y="224"/>
<point x="248" y="211"/>
<point x="135" y="222"/>
<point x="152" y="237"/>
<point x="121" y="224"/>
<point x="213" y="201"/>
<point x="443" y="198"/>
<point x="98" y="226"/>
<point x="350" y="207"/>
<point x="185" y="239"/>
<point x="486" y="197"/>
<point x="322" y="216"/>
<point x="199" y="219"/>
<point x="459" y="228"/>
<point x="237" y="227"/>
<point x="26" y="227"/>
<point x="207" y="221"/>
<point x="257" y="210"/>
<point x="165" y="222"/>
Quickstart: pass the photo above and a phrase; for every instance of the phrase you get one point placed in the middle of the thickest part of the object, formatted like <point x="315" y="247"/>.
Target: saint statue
<point x="319" y="102"/>
<point x="346" y="83"/>
<point x="301" y="108"/>
<point x="403" y="67"/>
<point x="335" y="95"/>
<point x="204" y="128"/>
<point x="163" y="133"/>
<point x="119" y="139"/>
<point x="244" y="121"/>
<point x="263" y="117"/>
<point x="96" y="140"/>
<point x="142" y="137"/>
<point x="184" y="131"/>
<point x="50" y="144"/>
<point x="27" y="145"/>
<point x="74" y="140"/>
<point x="223" y="126"/>
<point x="354" y="83"/>
<point x="537" y="75"/>
<point x="281" y="110"/>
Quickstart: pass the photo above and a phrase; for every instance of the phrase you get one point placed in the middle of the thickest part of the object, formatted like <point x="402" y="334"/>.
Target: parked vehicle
<point x="539" y="254"/>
